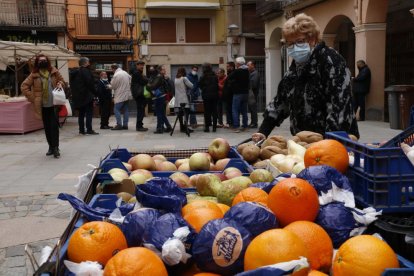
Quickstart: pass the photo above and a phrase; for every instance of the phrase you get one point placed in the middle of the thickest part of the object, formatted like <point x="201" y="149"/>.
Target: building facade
<point x="381" y="32"/>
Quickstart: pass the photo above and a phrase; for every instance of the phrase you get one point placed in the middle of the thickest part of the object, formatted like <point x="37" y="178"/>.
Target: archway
<point x="274" y="63"/>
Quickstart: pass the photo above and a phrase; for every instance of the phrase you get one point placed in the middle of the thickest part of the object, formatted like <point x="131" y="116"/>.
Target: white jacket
<point x="121" y="84"/>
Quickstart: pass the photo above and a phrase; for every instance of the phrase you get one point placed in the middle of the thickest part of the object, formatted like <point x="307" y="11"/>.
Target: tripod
<point x="180" y="113"/>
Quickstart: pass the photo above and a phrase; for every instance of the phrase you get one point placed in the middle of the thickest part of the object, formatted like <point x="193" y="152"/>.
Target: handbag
<point x="59" y="97"/>
<point x="171" y="103"/>
<point x="68" y="107"/>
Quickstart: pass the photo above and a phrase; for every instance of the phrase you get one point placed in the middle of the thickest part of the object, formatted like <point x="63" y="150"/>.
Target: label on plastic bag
<point x="227" y="246"/>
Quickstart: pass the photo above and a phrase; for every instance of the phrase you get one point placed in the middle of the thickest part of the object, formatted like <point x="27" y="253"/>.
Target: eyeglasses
<point x="300" y="43"/>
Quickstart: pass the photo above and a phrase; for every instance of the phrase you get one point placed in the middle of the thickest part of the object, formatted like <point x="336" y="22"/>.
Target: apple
<point x="184" y="167"/>
<point x="213" y="167"/>
<point x="142" y="161"/>
<point x="147" y="173"/>
<point x="127" y="166"/>
<point x="208" y="184"/>
<point x="219" y="148"/>
<point x="166" y="166"/>
<point x="193" y="179"/>
<point x="179" y="162"/>
<point x="221" y="176"/>
<point x="232" y="172"/>
<point x="222" y="163"/>
<point x="138" y="178"/>
<point x="159" y="157"/>
<point x="261" y="175"/>
<point x="208" y="156"/>
<point x="199" y="161"/>
<point x="118" y="174"/>
<point x="182" y="180"/>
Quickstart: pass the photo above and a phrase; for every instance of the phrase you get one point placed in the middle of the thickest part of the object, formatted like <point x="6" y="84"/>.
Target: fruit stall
<point x="301" y="205"/>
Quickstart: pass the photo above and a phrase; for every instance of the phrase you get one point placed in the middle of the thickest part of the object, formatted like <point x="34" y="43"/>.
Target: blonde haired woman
<point x="315" y="92"/>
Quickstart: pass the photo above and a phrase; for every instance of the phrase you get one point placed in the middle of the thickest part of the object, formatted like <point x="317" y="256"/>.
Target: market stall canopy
<point x="12" y="52"/>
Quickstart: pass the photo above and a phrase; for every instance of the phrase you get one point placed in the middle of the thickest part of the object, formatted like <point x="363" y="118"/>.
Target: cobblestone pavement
<point x="13" y="259"/>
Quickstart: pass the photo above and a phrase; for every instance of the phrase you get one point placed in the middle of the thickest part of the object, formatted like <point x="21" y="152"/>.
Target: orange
<point x="95" y="241"/>
<point x="135" y="261"/>
<point x="198" y="217"/>
<point x="327" y="152"/>
<point x="293" y="199"/>
<point x="272" y="247"/>
<point x="251" y="194"/>
<point x="196" y="204"/>
<point x="316" y="273"/>
<point x="206" y="274"/>
<point x="364" y="255"/>
<point x="224" y="208"/>
<point x="317" y="241"/>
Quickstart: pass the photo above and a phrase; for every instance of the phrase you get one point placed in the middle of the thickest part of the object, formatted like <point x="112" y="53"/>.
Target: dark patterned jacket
<point x="316" y="95"/>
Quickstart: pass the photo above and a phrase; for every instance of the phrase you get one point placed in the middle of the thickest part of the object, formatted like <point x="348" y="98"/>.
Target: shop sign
<point x="103" y="48"/>
<point x="28" y="37"/>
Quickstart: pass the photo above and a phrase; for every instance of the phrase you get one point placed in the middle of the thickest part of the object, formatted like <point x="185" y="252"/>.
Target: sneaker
<point x="92" y="132"/>
<point x="117" y="127"/>
<point x="125" y="127"/>
<point x="106" y="127"/>
<point x="158" y="131"/>
<point x="142" y="129"/>
<point x="82" y="132"/>
<point x="253" y="125"/>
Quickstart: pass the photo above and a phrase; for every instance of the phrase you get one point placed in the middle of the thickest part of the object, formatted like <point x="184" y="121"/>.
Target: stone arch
<point x="374" y="11"/>
<point x="274" y="62"/>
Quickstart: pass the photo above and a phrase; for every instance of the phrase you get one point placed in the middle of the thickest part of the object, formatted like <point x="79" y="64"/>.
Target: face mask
<point x="194" y="73"/>
<point x="43" y="64"/>
<point x="105" y="79"/>
<point x="300" y="54"/>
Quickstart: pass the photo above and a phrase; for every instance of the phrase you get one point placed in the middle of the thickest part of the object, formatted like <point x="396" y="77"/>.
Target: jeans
<point x="105" y="109"/>
<point x="253" y="110"/>
<point x="359" y="101"/>
<point x="210" y="112"/>
<point x="240" y="106"/>
<point x="193" y="118"/>
<point x="160" y="106"/>
<point x="85" y="114"/>
<point x="118" y="108"/>
<point x="51" y="126"/>
<point x="141" y="103"/>
<point x="229" y="112"/>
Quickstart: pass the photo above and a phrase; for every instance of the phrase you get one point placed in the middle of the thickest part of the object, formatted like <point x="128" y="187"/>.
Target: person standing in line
<point x="138" y="82"/>
<point x="37" y="88"/>
<point x="105" y="99"/>
<point x="221" y="76"/>
<point x="228" y="95"/>
<point x="82" y="85"/>
<point x="316" y="90"/>
<point x="254" y="78"/>
<point x="360" y="88"/>
<point x="158" y="85"/>
<point x="239" y="85"/>
<point x="121" y="84"/>
<point x="194" y="94"/>
<point x="182" y="86"/>
<point x="209" y="91"/>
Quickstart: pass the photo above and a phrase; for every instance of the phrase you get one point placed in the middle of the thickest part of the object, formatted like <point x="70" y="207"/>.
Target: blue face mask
<point x="299" y="54"/>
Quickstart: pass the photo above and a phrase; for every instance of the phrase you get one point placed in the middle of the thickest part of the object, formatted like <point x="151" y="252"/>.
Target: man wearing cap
<point x="121" y="84"/>
<point x="138" y="81"/>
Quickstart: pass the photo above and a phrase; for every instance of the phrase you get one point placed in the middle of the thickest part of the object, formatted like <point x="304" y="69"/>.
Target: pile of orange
<point x="251" y="194"/>
<point x="293" y="199"/>
<point x="199" y="212"/>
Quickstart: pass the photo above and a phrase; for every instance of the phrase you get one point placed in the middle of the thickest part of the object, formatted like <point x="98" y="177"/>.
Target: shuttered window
<point x="163" y="30"/>
<point x="197" y="30"/>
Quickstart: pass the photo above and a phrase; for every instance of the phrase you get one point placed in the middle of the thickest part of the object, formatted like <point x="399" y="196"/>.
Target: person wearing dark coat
<point x="105" y="99"/>
<point x="138" y="82"/>
<point x="82" y="85"/>
<point x="228" y="95"/>
<point x="194" y="94"/>
<point x="316" y="90"/>
<point x="360" y="88"/>
<point x="209" y="92"/>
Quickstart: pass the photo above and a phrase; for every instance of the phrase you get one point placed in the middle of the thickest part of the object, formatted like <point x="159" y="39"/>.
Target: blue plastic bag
<point x="280" y="269"/>
<point x="90" y="213"/>
<point x="220" y="246"/>
<point x="135" y="224"/>
<point x="330" y="184"/>
<point x="253" y="216"/>
<point x="161" y="193"/>
<point x="265" y="186"/>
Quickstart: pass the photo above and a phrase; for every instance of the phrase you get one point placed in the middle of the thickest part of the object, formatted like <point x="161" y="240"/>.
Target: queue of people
<point x="315" y="93"/>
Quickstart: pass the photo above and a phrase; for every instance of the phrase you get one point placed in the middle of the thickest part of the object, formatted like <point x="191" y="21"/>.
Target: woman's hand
<point x="59" y="84"/>
<point x="256" y="137"/>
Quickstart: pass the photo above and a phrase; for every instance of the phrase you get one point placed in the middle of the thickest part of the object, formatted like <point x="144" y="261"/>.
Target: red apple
<point x="182" y="180"/>
<point x="159" y="157"/>
<point x="142" y="161"/>
<point x="219" y="148"/>
<point x="179" y="162"/>
<point x="147" y="173"/>
<point x="166" y="166"/>
<point x="261" y="175"/>
<point x="221" y="176"/>
<point x="127" y="166"/>
<point x="222" y="163"/>
<point x="199" y="162"/>
<point x="193" y="179"/>
<point x="184" y="167"/>
<point x="232" y="172"/>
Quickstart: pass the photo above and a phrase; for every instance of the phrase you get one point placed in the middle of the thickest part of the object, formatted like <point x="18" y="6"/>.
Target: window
<point x="197" y="30"/>
<point x="100" y="8"/>
<point x="32" y="12"/>
<point x="163" y="30"/>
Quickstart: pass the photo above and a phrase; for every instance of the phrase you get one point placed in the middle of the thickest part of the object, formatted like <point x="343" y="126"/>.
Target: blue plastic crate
<point x="381" y="177"/>
<point x="406" y="268"/>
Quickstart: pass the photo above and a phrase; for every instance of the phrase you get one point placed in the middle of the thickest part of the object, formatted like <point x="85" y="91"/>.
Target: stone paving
<point x="13" y="259"/>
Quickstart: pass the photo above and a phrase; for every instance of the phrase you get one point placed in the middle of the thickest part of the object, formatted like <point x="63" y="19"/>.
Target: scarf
<point x="45" y="85"/>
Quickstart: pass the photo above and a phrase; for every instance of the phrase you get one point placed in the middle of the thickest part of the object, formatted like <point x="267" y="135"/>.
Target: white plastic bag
<point x="68" y="107"/>
<point x="59" y="97"/>
<point x="172" y="102"/>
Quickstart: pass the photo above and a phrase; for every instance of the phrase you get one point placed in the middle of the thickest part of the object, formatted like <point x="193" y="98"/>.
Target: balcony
<point x="32" y="15"/>
<point x="268" y="10"/>
<point x="100" y="26"/>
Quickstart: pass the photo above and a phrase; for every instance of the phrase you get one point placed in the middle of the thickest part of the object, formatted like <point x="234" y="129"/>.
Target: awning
<point x="213" y="4"/>
<point x="12" y="52"/>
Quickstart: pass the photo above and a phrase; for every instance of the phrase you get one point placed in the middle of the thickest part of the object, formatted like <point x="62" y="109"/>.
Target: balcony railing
<point x="99" y="25"/>
<point x="267" y="9"/>
<point x="33" y="15"/>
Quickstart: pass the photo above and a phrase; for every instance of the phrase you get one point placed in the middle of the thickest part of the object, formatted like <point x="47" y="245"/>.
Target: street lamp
<point x="144" y="22"/>
<point x="130" y="17"/>
<point x="117" y="25"/>
<point x="233" y="40"/>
